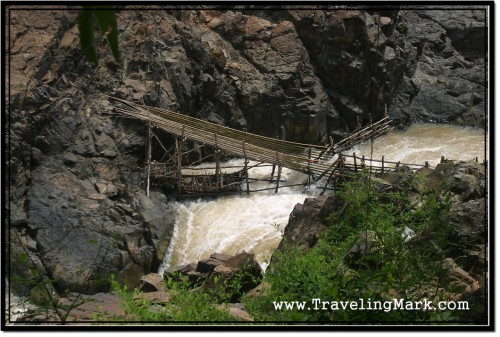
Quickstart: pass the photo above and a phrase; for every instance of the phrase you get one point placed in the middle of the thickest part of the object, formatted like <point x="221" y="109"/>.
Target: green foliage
<point x="395" y="267"/>
<point x="185" y="305"/>
<point x="107" y="24"/>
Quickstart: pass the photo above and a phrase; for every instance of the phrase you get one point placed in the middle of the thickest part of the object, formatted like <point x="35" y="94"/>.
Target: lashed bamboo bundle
<point x="296" y="156"/>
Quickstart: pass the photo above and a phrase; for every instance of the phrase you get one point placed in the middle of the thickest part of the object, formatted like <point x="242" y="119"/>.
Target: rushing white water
<point x="232" y="224"/>
<point x="427" y="142"/>
<point x="255" y="223"/>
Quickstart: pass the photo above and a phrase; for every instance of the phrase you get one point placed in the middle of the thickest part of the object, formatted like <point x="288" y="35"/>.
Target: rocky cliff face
<point x="445" y="78"/>
<point x="76" y="178"/>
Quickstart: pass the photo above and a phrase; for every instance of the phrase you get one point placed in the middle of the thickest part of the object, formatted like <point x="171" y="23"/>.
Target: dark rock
<point x="17" y="216"/>
<point x="219" y="275"/>
<point x="207" y="265"/>
<point x="70" y="159"/>
<point x="242" y="268"/>
<point x="444" y="70"/>
<point x="308" y="221"/>
<point x="466" y="185"/>
<point x="152" y="283"/>
<point x="221" y="257"/>
<point x="469" y="222"/>
<point x="363" y="250"/>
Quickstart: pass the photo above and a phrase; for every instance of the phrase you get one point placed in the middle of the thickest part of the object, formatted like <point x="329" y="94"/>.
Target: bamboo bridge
<point x="317" y="162"/>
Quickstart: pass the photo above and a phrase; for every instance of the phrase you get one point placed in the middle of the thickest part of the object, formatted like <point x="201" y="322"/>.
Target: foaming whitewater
<point x="232" y="224"/>
<point x="427" y="142"/>
<point x="255" y="223"/>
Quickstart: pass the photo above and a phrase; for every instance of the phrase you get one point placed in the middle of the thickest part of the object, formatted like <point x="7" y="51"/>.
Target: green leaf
<point x="23" y="257"/>
<point x="87" y="38"/>
<point x="106" y="20"/>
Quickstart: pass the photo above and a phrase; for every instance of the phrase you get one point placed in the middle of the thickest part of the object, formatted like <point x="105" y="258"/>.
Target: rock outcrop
<point x="445" y="78"/>
<point x="309" y="220"/>
<point x="229" y="276"/>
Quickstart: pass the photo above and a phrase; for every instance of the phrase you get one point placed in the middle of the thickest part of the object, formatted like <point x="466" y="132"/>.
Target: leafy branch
<point x="107" y="24"/>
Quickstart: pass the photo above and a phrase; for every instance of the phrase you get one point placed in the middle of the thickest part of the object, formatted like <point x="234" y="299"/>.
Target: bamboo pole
<point x="262" y="154"/>
<point x="309" y="167"/>
<point x="150" y="149"/>
<point x="273" y="188"/>
<point x="279" y="173"/>
<point x="339" y="160"/>
<point x="178" y="153"/>
<point x="293" y="155"/>
<point x="207" y="126"/>
<point x="212" y="126"/>
<point x="246" y="168"/>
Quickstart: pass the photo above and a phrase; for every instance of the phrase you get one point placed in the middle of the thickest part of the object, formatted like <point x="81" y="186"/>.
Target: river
<point x="255" y="223"/>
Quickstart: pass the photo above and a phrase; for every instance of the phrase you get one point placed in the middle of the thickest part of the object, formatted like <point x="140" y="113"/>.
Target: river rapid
<point x="255" y="223"/>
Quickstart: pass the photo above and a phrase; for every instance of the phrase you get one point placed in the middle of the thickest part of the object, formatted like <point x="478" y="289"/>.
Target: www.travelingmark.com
<point x="362" y="304"/>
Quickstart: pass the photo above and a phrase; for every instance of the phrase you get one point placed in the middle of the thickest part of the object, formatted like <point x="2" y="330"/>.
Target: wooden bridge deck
<point x="313" y="160"/>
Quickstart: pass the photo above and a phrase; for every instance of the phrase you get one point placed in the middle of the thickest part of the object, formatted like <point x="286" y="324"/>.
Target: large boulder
<point x="227" y="276"/>
<point x="309" y="220"/>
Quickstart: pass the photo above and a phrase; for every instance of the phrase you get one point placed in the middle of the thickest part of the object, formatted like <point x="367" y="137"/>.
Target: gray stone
<point x="365" y="245"/>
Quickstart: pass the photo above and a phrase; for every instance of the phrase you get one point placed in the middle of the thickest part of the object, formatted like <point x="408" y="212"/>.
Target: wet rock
<point x="221" y="257"/>
<point x="208" y="265"/>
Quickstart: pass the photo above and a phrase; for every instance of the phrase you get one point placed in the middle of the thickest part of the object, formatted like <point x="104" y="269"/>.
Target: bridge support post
<point x="278" y="179"/>
<point x="338" y="165"/>
<point x="279" y="173"/>
<point x="246" y="168"/>
<point x="178" y="155"/>
<point x="218" y="174"/>
<point x="179" y="144"/>
<point x="309" y="168"/>
<point x="355" y="164"/>
<point x="150" y="150"/>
